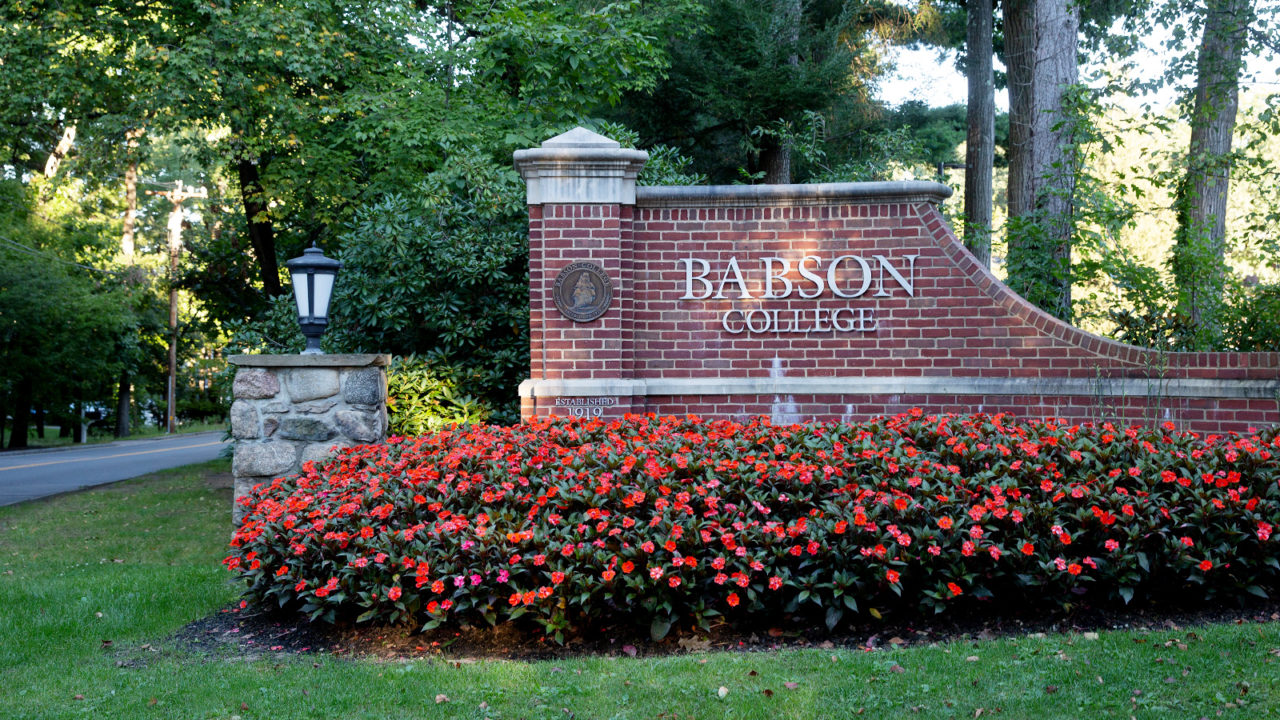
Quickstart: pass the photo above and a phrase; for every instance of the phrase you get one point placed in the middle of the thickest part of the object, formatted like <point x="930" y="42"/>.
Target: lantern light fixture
<point x="313" y="276"/>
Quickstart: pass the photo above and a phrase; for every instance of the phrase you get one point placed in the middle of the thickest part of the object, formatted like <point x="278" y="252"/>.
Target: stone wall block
<point x="318" y="453"/>
<point x="255" y="384"/>
<point x="360" y="426"/>
<point x="306" y="384"/>
<point x="244" y="420"/>
<point x="276" y="407"/>
<point x="269" y="426"/>
<point x="263" y="459"/>
<point x="364" y="386"/>
<point x="306" y="428"/>
<point x="318" y="407"/>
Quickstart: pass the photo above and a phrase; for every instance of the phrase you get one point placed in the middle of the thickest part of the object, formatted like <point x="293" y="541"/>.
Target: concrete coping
<point x="861" y="193"/>
<point x="311" y="361"/>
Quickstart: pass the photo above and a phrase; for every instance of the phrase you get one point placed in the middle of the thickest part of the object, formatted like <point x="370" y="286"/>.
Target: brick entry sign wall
<point x="827" y="301"/>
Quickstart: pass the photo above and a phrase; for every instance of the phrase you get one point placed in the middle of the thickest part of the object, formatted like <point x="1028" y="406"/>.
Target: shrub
<point x="663" y="521"/>
<point x="423" y="399"/>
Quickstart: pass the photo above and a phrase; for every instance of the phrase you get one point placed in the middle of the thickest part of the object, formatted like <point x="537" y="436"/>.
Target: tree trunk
<point x="980" y="147"/>
<point x="40" y="421"/>
<point x="775" y="160"/>
<point x="1200" y="243"/>
<point x="123" y="401"/>
<point x="261" y="232"/>
<point x="130" y="211"/>
<point x="1041" y="38"/>
<point x="77" y="423"/>
<point x="21" y="416"/>
<point x="4" y="416"/>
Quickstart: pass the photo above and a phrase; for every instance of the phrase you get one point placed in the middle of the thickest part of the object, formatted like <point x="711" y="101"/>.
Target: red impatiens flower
<point x="746" y="504"/>
<point x="733" y="600"/>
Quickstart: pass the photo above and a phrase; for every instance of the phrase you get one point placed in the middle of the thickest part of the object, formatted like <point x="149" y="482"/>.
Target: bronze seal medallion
<point x="582" y="291"/>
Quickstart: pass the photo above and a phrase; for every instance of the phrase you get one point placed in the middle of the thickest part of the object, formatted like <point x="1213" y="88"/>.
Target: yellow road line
<point x="108" y="457"/>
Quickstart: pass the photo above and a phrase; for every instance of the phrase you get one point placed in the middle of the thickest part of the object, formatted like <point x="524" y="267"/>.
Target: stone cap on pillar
<point x="580" y="167"/>
<point x="320" y="360"/>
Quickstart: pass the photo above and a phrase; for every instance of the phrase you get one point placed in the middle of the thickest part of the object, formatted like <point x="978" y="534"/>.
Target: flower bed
<point x="664" y="520"/>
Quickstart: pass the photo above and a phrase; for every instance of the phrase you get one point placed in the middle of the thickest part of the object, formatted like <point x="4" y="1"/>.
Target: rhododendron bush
<point x="662" y="521"/>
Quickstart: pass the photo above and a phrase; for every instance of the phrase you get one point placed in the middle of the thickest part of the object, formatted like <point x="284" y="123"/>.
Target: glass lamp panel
<point x="300" y="291"/>
<point x="324" y="288"/>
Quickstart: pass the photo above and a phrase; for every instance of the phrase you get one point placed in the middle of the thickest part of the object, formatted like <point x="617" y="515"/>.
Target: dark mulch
<point x="250" y="633"/>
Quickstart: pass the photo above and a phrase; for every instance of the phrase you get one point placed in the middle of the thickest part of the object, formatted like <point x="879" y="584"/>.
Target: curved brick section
<point x="1261" y="365"/>
<point x="834" y="301"/>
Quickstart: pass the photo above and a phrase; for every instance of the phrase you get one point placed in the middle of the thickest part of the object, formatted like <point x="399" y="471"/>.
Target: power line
<point x="39" y="253"/>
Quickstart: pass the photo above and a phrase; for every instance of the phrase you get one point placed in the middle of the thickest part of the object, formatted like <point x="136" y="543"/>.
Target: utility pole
<point x="176" y="196"/>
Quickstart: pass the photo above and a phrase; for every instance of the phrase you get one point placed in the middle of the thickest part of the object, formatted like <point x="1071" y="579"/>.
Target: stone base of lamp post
<point x="290" y="409"/>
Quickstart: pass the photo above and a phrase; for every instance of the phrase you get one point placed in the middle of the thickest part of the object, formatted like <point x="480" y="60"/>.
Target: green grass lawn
<point x="51" y="438"/>
<point x="134" y="562"/>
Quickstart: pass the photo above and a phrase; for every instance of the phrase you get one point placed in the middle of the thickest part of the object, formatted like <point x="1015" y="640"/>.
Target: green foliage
<point x="443" y="274"/>
<point x="1252" y="322"/>
<point x="758" y="67"/>
<point x="423" y="399"/>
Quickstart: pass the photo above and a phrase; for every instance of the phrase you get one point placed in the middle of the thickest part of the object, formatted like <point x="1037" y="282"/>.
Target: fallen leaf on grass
<point x="484" y="705"/>
<point x="442" y="698"/>
<point x="897" y="668"/>
<point x="1090" y="636"/>
<point x="768" y="692"/>
<point x="153" y="701"/>
<point x="722" y="692"/>
<point x="629" y="650"/>
<point x="78" y="697"/>
<point x="1050" y="689"/>
<point x="971" y="658"/>
<point x="690" y="643"/>
<point x="790" y="685"/>
<point x="752" y="673"/>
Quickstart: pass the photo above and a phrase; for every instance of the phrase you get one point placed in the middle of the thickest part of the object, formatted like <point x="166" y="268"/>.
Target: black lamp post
<point x="313" y="275"/>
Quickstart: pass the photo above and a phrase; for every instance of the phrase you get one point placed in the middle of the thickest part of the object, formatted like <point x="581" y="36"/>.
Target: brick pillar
<point x="581" y="194"/>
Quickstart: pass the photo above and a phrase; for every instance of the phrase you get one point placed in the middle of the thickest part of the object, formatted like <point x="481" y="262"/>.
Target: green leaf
<point x="833" y="617"/>
<point x="659" y="628"/>
<point x="1127" y="594"/>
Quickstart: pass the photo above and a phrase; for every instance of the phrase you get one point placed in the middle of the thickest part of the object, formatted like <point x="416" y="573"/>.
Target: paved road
<point x="26" y="475"/>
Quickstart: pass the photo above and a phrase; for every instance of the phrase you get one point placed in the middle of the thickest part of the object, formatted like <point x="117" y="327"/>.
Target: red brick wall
<point x="961" y="323"/>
